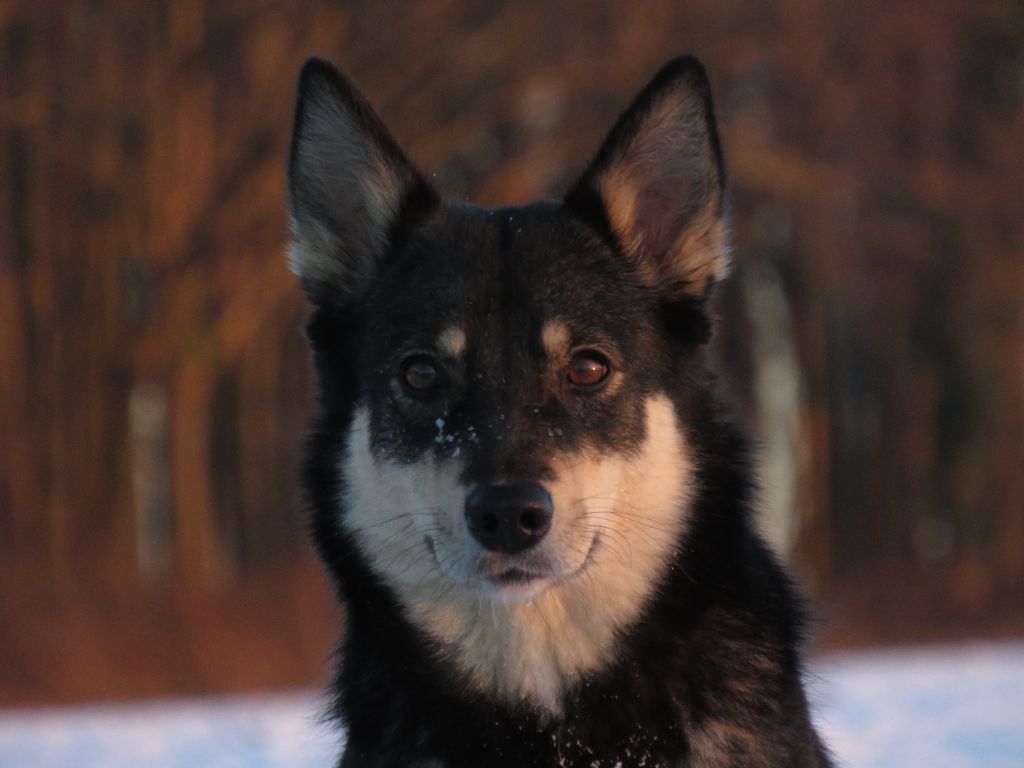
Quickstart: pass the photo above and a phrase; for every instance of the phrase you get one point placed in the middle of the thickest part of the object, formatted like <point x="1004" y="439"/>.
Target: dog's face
<point x="516" y="433"/>
<point x="510" y="406"/>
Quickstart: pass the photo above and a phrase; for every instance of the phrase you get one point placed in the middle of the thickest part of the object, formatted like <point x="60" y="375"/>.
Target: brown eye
<point x="587" y="370"/>
<point x="421" y="373"/>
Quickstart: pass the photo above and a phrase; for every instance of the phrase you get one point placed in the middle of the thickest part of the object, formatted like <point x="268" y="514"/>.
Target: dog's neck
<point x="527" y="652"/>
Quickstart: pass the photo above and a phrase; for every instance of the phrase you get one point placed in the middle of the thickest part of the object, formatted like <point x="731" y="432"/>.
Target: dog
<point x="535" y="509"/>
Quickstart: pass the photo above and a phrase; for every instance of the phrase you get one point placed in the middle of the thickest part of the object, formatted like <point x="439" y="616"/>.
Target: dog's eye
<point x="588" y="370"/>
<point x="421" y="373"/>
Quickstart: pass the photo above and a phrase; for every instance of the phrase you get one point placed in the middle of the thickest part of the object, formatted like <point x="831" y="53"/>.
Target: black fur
<point x="710" y="675"/>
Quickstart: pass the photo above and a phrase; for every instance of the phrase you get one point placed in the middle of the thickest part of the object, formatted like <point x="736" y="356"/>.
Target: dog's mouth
<point x="509" y="576"/>
<point x="514" y="577"/>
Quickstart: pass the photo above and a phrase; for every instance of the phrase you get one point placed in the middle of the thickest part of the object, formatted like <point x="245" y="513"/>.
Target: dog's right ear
<point x="351" y="189"/>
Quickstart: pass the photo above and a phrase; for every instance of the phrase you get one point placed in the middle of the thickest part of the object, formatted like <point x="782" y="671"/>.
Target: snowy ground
<point x="934" y="708"/>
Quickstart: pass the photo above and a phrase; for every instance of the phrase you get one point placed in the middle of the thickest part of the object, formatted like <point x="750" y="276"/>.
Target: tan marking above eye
<point x="555" y="337"/>
<point x="451" y="342"/>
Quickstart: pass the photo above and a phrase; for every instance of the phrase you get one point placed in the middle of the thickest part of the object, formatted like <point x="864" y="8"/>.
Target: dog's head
<point x="513" y="381"/>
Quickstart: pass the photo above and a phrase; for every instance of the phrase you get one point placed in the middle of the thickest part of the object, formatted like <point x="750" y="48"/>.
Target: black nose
<point x="509" y="518"/>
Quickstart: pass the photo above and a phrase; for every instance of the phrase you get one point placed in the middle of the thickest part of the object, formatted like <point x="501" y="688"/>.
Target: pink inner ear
<point x="660" y="218"/>
<point x="661" y="194"/>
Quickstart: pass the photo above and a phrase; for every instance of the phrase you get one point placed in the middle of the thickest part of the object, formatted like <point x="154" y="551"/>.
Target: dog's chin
<point x="507" y="579"/>
<point x="516" y="589"/>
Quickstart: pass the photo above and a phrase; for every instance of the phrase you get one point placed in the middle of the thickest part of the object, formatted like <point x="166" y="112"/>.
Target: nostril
<point x="533" y="520"/>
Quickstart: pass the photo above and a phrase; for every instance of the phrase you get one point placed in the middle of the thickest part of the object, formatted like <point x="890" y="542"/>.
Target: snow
<point x="942" y="707"/>
<point x="958" y="707"/>
<point x="244" y="732"/>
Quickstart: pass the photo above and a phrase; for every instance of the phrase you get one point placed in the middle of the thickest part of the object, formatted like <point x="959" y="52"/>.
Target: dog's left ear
<point x="657" y="185"/>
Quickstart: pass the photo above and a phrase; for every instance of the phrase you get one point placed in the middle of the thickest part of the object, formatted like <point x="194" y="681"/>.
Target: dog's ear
<point x="657" y="184"/>
<point x="350" y="188"/>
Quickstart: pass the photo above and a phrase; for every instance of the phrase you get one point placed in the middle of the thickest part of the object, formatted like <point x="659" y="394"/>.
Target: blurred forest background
<point x="154" y="388"/>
